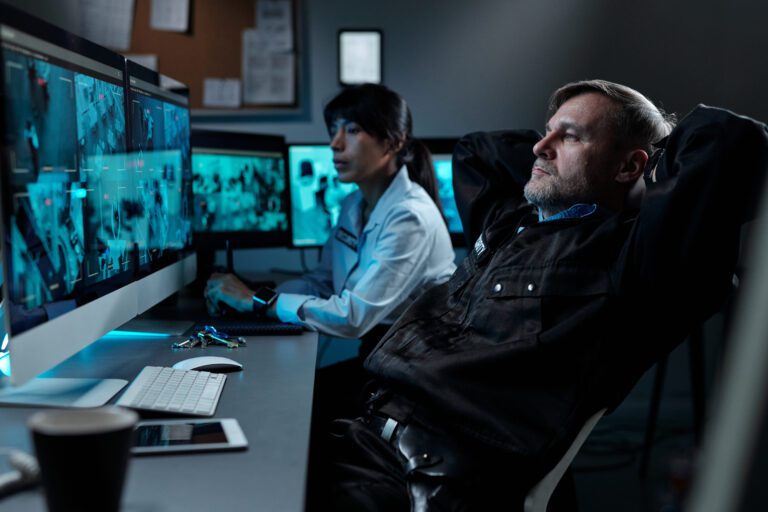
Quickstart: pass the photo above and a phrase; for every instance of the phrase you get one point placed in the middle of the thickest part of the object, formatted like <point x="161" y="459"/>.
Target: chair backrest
<point x="538" y="497"/>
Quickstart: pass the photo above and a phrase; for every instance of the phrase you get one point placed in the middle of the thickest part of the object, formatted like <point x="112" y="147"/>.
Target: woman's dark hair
<point x="385" y="115"/>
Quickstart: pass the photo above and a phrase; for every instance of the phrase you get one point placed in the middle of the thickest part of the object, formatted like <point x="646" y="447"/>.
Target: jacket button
<point x="497" y="288"/>
<point x="531" y="287"/>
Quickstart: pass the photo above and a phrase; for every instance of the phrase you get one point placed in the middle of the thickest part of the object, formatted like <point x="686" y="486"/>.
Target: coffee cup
<point x="83" y="456"/>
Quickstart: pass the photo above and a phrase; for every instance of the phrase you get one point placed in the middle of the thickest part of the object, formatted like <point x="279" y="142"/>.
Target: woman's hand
<point x="227" y="289"/>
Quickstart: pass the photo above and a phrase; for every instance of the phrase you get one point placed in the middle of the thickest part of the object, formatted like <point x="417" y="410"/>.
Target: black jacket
<point x="542" y="328"/>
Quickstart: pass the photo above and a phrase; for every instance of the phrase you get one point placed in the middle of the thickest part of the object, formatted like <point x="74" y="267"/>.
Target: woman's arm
<point x="394" y="271"/>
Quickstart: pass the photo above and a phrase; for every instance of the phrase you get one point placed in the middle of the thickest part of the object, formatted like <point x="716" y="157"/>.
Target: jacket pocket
<point x="518" y="304"/>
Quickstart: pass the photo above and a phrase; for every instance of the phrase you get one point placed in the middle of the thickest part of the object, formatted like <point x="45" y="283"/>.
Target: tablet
<point x="187" y="435"/>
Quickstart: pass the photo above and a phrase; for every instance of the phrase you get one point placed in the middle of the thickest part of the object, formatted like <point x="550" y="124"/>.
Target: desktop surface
<point x="271" y="399"/>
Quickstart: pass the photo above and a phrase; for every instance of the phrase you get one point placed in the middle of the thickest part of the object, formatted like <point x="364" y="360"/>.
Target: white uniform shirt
<point x="369" y="274"/>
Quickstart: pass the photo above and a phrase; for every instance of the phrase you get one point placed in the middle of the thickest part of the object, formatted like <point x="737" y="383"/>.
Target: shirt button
<point x="497" y="288"/>
<point x="531" y="287"/>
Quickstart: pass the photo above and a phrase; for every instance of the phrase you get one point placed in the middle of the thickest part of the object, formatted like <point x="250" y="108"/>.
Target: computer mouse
<point x="209" y="364"/>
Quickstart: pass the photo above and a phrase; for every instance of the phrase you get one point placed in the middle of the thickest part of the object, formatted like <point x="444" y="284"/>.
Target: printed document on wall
<point x="268" y="76"/>
<point x="275" y="19"/>
<point x="221" y="92"/>
<point x="108" y="22"/>
<point x="171" y="15"/>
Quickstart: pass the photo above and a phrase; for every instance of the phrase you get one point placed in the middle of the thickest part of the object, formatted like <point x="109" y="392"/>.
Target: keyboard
<point x="188" y="392"/>
<point x="252" y="328"/>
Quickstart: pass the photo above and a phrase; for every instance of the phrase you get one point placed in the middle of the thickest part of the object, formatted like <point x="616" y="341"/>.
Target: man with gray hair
<point x="483" y="383"/>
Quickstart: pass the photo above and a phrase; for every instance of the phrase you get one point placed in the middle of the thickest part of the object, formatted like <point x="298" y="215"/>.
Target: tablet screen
<point x="180" y="434"/>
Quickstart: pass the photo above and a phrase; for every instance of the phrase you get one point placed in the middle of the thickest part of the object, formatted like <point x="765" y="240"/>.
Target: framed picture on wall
<point x="360" y="56"/>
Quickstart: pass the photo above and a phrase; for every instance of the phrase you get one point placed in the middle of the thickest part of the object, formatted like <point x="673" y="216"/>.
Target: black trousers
<point x="354" y="469"/>
<point x="340" y="387"/>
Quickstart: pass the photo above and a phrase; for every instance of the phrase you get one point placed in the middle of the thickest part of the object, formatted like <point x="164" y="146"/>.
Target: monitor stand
<point x="60" y="392"/>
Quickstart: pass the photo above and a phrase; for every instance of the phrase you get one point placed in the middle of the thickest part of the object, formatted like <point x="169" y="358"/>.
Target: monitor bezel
<point x="239" y="141"/>
<point x="179" y="95"/>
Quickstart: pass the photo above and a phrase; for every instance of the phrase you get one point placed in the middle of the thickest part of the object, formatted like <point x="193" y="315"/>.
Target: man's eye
<point x="352" y="130"/>
<point x="570" y="137"/>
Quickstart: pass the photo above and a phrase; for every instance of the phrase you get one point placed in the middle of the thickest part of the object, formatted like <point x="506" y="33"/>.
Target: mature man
<point x="572" y="290"/>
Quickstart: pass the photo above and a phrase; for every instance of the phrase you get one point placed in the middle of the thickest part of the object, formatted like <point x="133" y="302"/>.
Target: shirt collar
<point x="395" y="193"/>
<point x="577" y="211"/>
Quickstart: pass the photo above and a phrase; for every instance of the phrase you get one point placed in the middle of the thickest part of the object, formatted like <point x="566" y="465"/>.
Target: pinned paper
<point x="108" y="22"/>
<point x="171" y="15"/>
<point x="268" y="76"/>
<point x="221" y="92"/>
<point x="275" y="19"/>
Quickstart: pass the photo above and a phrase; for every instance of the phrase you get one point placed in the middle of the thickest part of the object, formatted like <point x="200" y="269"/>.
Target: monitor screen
<point x="442" y="156"/>
<point x="240" y="189"/>
<point x="444" y="173"/>
<point x="316" y="193"/>
<point x="89" y="205"/>
<point x="158" y="211"/>
<point x="65" y="170"/>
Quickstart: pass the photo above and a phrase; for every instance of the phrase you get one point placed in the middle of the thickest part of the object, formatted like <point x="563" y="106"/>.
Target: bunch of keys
<point x="210" y="335"/>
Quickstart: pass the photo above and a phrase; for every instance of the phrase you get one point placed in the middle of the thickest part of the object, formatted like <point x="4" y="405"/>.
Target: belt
<point x="384" y="426"/>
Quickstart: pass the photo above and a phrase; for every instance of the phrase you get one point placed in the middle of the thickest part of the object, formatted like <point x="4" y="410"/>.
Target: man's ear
<point x="633" y="167"/>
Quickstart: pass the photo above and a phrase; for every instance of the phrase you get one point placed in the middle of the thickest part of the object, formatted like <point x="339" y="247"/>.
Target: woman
<point x="390" y="242"/>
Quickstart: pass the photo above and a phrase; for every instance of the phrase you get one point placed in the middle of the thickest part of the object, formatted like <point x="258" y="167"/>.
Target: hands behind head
<point x="226" y="289"/>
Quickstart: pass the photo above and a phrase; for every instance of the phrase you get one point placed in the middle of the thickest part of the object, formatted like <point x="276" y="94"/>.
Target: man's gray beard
<point x="544" y="198"/>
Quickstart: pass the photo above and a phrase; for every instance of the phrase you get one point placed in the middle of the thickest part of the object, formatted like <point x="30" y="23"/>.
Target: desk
<point x="271" y="398"/>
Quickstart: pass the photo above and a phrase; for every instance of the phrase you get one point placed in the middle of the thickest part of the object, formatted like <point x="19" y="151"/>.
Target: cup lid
<point x="82" y="421"/>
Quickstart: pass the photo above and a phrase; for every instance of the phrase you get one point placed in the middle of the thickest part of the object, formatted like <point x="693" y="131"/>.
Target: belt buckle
<point x="389" y="429"/>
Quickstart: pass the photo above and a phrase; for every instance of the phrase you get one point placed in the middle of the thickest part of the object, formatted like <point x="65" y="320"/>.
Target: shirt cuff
<point x="288" y="305"/>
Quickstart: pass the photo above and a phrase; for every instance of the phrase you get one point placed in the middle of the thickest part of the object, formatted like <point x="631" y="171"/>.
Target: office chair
<point x="696" y="362"/>
<point x="538" y="497"/>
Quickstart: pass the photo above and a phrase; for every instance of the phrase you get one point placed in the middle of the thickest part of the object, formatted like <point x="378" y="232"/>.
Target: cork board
<point x="211" y="48"/>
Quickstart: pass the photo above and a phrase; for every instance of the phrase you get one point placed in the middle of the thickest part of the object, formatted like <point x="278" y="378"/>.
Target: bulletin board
<point x="211" y="48"/>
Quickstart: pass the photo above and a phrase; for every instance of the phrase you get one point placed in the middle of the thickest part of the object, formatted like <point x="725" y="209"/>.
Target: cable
<point x="304" y="266"/>
<point x="26" y="472"/>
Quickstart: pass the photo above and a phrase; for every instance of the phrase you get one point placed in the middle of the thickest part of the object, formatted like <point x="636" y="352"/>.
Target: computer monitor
<point x="442" y="155"/>
<point x="73" y="244"/>
<point x="240" y="187"/>
<point x="160" y="217"/>
<point x="316" y="193"/>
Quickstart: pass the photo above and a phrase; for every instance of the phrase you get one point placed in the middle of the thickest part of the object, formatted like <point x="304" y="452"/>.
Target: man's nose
<point x="543" y="148"/>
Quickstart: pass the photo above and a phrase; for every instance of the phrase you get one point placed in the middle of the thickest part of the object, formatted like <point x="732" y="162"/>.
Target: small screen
<point x="316" y="193"/>
<point x="238" y="191"/>
<point x="180" y="434"/>
<point x="444" y="173"/>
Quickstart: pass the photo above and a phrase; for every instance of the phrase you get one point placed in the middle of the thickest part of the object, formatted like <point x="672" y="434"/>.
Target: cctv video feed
<point x="316" y="194"/>
<point x="160" y="156"/>
<point x="238" y="191"/>
<point x="69" y="187"/>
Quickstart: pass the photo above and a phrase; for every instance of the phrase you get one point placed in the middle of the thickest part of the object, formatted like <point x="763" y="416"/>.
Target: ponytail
<point x="418" y="160"/>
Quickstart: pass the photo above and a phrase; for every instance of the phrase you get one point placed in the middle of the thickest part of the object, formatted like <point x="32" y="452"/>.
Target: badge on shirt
<point x="479" y="246"/>
<point x="347" y="238"/>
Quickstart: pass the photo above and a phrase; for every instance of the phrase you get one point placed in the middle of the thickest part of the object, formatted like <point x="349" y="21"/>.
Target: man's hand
<point x="227" y="289"/>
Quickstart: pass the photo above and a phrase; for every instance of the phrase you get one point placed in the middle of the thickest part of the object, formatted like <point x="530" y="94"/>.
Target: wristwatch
<point x="263" y="298"/>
